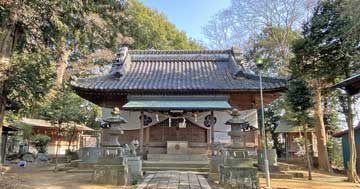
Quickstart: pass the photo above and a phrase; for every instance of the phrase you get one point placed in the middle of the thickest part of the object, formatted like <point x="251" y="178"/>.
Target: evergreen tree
<point x="326" y="54"/>
<point x="299" y="98"/>
<point x="41" y="40"/>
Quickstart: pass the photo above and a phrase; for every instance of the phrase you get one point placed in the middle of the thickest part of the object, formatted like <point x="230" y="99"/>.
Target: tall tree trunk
<point x="351" y="172"/>
<point x="308" y="161"/>
<point x="8" y="37"/>
<point x="61" y="64"/>
<point x="2" y="114"/>
<point x="323" y="157"/>
<point x="58" y="141"/>
<point x="71" y="139"/>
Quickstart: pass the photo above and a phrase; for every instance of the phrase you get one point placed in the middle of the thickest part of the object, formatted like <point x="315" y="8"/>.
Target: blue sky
<point x="188" y="15"/>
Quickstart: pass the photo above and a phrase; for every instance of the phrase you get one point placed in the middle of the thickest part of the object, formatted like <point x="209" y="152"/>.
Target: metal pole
<point x="266" y="161"/>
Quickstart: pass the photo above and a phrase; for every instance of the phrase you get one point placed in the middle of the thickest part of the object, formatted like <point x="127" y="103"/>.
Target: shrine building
<point x="178" y="101"/>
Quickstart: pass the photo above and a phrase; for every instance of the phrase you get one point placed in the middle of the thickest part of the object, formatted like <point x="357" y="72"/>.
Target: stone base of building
<point x="110" y="174"/>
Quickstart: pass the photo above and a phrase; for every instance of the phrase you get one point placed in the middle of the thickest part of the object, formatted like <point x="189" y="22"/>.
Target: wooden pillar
<point x="208" y="141"/>
<point x="212" y="133"/>
<point x="142" y="132"/>
<point x="147" y="136"/>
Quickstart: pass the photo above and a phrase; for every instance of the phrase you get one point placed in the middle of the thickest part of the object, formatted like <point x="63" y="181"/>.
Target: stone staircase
<point x="193" y="166"/>
<point x="177" y="157"/>
<point x="285" y="171"/>
<point x="177" y="162"/>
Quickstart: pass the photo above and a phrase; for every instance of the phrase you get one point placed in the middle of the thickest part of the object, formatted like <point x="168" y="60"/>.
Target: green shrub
<point x="41" y="142"/>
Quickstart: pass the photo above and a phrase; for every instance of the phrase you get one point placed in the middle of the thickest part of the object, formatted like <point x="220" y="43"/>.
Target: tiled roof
<point x="351" y="84"/>
<point x="287" y="127"/>
<point x="345" y="132"/>
<point x="47" y="124"/>
<point x="176" y="70"/>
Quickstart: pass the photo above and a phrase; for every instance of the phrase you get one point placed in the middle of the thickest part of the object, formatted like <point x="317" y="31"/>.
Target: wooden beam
<point x="142" y="132"/>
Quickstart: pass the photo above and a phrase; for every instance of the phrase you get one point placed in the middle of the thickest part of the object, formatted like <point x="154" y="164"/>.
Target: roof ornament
<point x="73" y="80"/>
<point x="236" y="51"/>
<point x="121" y="54"/>
<point x="118" y="64"/>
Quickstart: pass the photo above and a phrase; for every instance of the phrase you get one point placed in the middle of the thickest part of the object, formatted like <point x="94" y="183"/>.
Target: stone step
<point x="185" y="164"/>
<point x="205" y="174"/>
<point x="288" y="166"/>
<point x="177" y="157"/>
<point x="296" y="174"/>
<point x="86" y="165"/>
<point x="204" y="170"/>
<point x="277" y="175"/>
<point x="65" y="168"/>
<point x="80" y="171"/>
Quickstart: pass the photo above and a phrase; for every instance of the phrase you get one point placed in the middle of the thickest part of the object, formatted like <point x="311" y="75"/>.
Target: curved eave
<point x="174" y="91"/>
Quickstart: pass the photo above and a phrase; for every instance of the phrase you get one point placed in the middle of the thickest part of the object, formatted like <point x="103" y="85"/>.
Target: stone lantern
<point x="236" y="153"/>
<point x="111" y="148"/>
<point x="238" y="127"/>
<point x="237" y="171"/>
<point x="110" y="168"/>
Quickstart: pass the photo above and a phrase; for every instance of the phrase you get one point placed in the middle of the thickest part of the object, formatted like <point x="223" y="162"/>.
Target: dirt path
<point x="35" y="178"/>
<point x="320" y="181"/>
<point x="44" y="178"/>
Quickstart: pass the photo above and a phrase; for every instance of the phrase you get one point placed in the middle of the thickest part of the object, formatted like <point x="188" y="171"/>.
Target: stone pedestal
<point x="90" y="154"/>
<point x="238" y="158"/>
<point x="239" y="177"/>
<point x="134" y="165"/>
<point x="110" y="174"/>
<point x="272" y="157"/>
<point x="42" y="159"/>
<point x="215" y="163"/>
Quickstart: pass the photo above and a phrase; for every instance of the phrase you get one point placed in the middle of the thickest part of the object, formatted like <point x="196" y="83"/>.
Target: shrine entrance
<point x="181" y="136"/>
<point x="189" y="131"/>
<point x="180" y="128"/>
